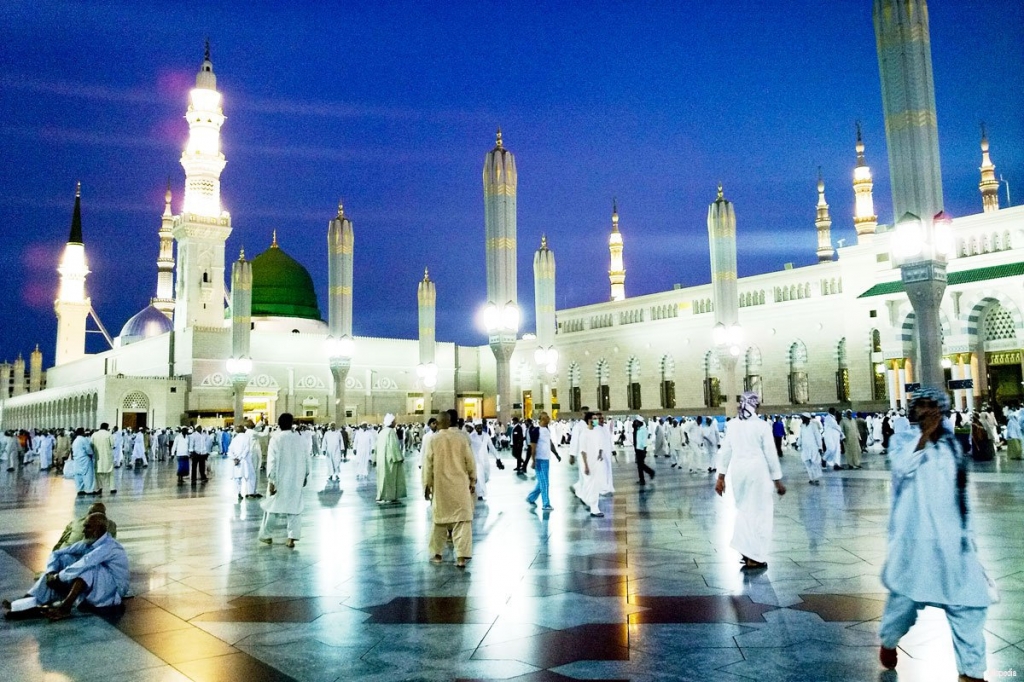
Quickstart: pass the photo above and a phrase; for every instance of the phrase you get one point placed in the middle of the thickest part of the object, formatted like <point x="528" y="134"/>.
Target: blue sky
<point x="392" y="106"/>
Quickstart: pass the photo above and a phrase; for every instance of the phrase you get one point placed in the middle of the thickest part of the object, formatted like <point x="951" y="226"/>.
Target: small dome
<point x="281" y="287"/>
<point x="143" y="325"/>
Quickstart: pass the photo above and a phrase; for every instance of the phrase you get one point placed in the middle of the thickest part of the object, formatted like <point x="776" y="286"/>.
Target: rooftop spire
<point x="341" y="210"/>
<point x="206" y="51"/>
<point x="75" y="237"/>
<point x="543" y="242"/>
<point x="273" y="243"/>
<point x="860" y="147"/>
<point x="615" y="215"/>
<point x="426" y="274"/>
<point x="721" y="196"/>
<point x="989" y="186"/>
<point x="241" y="254"/>
<point x="497" y="142"/>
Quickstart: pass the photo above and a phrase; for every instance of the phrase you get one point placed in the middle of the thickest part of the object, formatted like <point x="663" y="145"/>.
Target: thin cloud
<point x="72" y="136"/>
<point x="80" y="90"/>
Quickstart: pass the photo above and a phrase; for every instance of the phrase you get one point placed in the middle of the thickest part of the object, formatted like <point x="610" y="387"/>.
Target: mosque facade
<point x="838" y="332"/>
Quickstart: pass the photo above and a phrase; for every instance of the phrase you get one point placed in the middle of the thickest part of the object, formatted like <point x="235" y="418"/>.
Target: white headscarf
<point x="389" y="419"/>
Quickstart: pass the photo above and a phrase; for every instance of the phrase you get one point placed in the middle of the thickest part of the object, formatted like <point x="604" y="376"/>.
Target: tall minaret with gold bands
<point x="616" y="271"/>
<point x="908" y="100"/>
<point x="72" y="305"/>
<point x="824" y="225"/>
<point x="164" y="301"/>
<point x="864" y="219"/>
<point x="989" y="186"/>
<point x="500" y="181"/>
<point x="426" y="299"/>
<point x="340" y="249"/>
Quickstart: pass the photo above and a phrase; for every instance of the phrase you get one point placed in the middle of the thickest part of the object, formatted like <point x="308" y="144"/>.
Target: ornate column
<point x="340" y="345"/>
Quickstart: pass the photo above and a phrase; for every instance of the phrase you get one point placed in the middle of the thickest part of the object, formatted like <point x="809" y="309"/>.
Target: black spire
<point x="76" y="218"/>
<point x="206" y="53"/>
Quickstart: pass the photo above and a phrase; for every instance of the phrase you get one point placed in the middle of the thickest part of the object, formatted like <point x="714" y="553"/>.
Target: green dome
<point x="281" y="287"/>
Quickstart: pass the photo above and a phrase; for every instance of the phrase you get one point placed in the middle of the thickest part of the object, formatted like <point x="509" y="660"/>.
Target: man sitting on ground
<point x="92" y="574"/>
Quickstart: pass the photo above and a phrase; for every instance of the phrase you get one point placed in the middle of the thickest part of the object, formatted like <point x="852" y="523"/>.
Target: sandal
<point x="461" y="563"/>
<point x="436" y="559"/>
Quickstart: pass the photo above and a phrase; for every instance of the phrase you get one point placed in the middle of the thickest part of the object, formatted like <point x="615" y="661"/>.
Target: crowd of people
<point x="927" y="448"/>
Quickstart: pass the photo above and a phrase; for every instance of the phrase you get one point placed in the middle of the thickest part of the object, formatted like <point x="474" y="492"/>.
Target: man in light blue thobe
<point x="93" y="573"/>
<point x="932" y="559"/>
<point x="84" y="456"/>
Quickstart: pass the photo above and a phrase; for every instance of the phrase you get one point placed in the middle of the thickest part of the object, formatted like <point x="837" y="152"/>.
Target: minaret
<point x="240" y="363"/>
<point x="426" y="299"/>
<point x="241" y="306"/>
<point x="616" y="270"/>
<point x="908" y="99"/>
<point x="35" y="370"/>
<point x="164" y="301"/>
<point x="19" y="376"/>
<point x="824" y="225"/>
<point x="544" y="311"/>
<point x="989" y="186"/>
<point x="340" y="250"/>
<point x="722" y="238"/>
<point x="203" y="226"/>
<point x="500" y="182"/>
<point x="864" y="219"/>
<point x="5" y="380"/>
<point x="72" y="305"/>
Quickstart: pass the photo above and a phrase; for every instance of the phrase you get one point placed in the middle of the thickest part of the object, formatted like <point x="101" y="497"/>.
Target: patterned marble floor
<point x="650" y="592"/>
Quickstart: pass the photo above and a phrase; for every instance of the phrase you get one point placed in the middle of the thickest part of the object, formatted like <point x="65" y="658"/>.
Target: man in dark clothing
<point x="518" y="442"/>
<point x="778" y="433"/>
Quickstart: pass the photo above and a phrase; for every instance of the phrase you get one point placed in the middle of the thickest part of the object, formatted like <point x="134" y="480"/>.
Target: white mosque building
<point x="839" y="332"/>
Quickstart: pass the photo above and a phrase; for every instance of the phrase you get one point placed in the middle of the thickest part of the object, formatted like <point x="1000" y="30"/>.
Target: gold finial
<point x="984" y="138"/>
<point x="821" y="181"/>
<point x="426" y="274"/>
<point x="273" y="243"/>
<point x="78" y="189"/>
<point x="543" y="242"/>
<point x="498" y="139"/>
<point x="241" y="254"/>
<point x="206" y="52"/>
<point x="341" y="209"/>
<point x="720" y="195"/>
<point x="167" y="194"/>
<point x="858" y="132"/>
<point x="37" y="349"/>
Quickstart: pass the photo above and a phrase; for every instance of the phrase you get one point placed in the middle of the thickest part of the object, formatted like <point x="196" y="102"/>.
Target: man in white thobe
<point x="675" y="442"/>
<point x="287" y="474"/>
<point x="749" y="460"/>
<point x="810" y="445"/>
<point x="244" y="473"/>
<point x="710" y="439"/>
<point x="44" y="443"/>
<point x="932" y="558"/>
<point x="364" y="442"/>
<point x="591" y="441"/>
<point x="118" y="451"/>
<point x="833" y="437"/>
<point x="483" y="448"/>
<point x="607" y="446"/>
<point x="332" y="447"/>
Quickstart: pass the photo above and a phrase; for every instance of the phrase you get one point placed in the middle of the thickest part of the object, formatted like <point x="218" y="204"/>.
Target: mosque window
<point x="136" y="401"/>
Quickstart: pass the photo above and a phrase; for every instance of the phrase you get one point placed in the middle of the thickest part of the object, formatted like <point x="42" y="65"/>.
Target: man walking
<point x="287" y="474"/>
<point x="541" y="449"/>
<point x="449" y="481"/>
<point x="640" y="450"/>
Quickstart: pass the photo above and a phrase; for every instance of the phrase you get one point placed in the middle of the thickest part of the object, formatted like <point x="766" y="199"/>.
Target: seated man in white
<point x="91" y="574"/>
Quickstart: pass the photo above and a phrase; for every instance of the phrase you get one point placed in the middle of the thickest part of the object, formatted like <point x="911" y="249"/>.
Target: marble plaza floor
<point x="650" y="592"/>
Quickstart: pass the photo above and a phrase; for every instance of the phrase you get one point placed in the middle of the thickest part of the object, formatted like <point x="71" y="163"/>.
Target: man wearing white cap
<point x="748" y="457"/>
<point x="483" y="447"/>
<point x="365" y="439"/>
<point x="390" y="461"/>
<point x="810" y="444"/>
<point x="333" y="446"/>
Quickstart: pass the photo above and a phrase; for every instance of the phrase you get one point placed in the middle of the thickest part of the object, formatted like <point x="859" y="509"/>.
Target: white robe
<point x="332" y="447"/>
<point x="750" y="463"/>
<point x="102" y="565"/>
<point x="240" y="451"/>
<point x="832" y="436"/>
<point x="287" y="469"/>
<point x="591" y="442"/>
<point x="607" y="486"/>
<point x="482" y="446"/>
<point x="139" y="449"/>
<point x="810" y="444"/>
<point x="365" y="440"/>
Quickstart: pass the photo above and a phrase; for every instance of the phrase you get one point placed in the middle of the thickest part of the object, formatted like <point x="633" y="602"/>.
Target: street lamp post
<point x="920" y="249"/>
<point x="239" y="370"/>
<point x="339" y="354"/>
<point x="728" y="342"/>
<point x="502" y="326"/>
